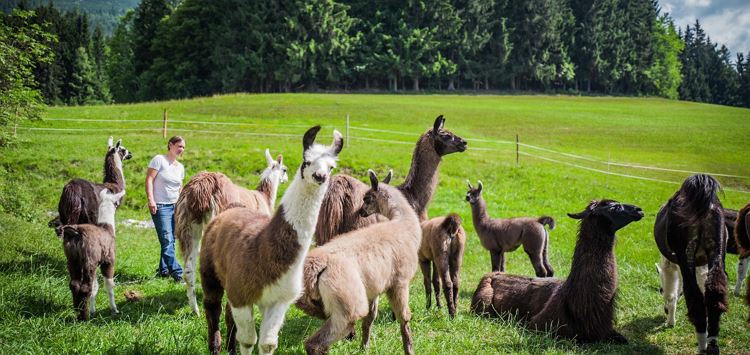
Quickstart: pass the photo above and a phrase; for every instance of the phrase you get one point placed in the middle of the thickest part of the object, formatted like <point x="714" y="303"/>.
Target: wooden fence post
<point x="517" y="149"/>
<point x="164" y="128"/>
<point x="346" y="140"/>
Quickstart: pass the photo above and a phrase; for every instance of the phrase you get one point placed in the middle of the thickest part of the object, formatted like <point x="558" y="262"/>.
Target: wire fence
<point x="550" y="155"/>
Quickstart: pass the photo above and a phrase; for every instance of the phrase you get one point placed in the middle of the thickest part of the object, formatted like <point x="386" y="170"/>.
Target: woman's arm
<point x="150" y="175"/>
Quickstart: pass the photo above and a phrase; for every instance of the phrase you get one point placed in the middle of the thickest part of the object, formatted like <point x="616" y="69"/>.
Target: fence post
<point x="164" y="127"/>
<point x="606" y="179"/>
<point x="346" y="141"/>
<point x="517" y="153"/>
<point x="15" y="130"/>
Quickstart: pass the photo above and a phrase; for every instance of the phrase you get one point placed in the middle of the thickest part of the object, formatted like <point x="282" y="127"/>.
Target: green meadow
<point x="572" y="150"/>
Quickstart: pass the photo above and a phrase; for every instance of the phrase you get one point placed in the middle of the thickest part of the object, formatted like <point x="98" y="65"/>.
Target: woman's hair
<point x="174" y="140"/>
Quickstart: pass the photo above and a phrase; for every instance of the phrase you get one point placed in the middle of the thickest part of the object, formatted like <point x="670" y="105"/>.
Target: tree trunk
<point x="416" y="83"/>
<point x="513" y="83"/>
<point x="486" y="83"/>
<point x="451" y="85"/>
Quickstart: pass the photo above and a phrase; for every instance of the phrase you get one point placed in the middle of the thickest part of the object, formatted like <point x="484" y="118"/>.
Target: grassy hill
<point x="572" y="150"/>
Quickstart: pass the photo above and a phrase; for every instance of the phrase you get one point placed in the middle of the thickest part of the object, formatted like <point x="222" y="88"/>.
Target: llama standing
<point x="581" y="307"/>
<point x="500" y="235"/>
<point x="742" y="237"/>
<point x="344" y="278"/>
<point x="258" y="259"/>
<point x="731" y="219"/>
<point x="339" y="212"/>
<point x="443" y="243"/>
<point x="208" y="194"/>
<point x="88" y="246"/>
<point x="690" y="232"/>
<point x="80" y="198"/>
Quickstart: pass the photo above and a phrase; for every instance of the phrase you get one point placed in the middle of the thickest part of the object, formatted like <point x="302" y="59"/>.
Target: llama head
<point x="474" y="194"/>
<point x="451" y="227"/>
<point x="118" y="149"/>
<point x="444" y="141"/>
<point x="612" y="213"/>
<point x="108" y="203"/>
<point x="276" y="170"/>
<point x="318" y="160"/>
<point x="377" y="198"/>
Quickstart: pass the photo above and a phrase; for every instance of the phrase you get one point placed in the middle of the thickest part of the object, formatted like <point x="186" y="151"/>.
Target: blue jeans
<point x="164" y="223"/>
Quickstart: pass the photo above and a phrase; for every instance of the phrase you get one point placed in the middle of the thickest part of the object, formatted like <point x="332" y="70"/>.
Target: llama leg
<point x="669" y="275"/>
<point x="436" y="284"/>
<point x="398" y="296"/>
<point x="273" y="318"/>
<point x="231" y="346"/>
<point x="191" y="260"/>
<point x="701" y="273"/>
<point x="244" y="323"/>
<point x="108" y="271"/>
<point x="695" y="304"/>
<point x="212" y="295"/>
<point x="425" y="266"/>
<point x="445" y="279"/>
<point x="92" y="298"/>
<point x="742" y="266"/>
<point x="367" y="323"/>
<point x="455" y="267"/>
<point x="545" y="259"/>
<point x="495" y="260"/>
<point x="334" y="328"/>
<point x="536" y="261"/>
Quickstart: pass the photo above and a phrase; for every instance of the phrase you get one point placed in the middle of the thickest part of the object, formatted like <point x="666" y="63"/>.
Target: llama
<point x="500" y="235"/>
<point x="582" y="307"/>
<point x="339" y="213"/>
<point x="670" y="280"/>
<point x="742" y="237"/>
<point x="88" y="246"/>
<point x="443" y="242"/>
<point x="80" y="198"/>
<point x="344" y="278"/>
<point x="258" y="259"/>
<point x="208" y="194"/>
<point x="731" y="219"/>
<point x="690" y="231"/>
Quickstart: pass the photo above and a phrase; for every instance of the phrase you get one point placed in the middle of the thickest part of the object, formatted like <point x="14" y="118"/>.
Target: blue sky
<point x="725" y="21"/>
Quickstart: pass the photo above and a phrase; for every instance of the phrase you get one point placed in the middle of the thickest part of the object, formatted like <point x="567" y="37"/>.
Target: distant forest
<point x="163" y="49"/>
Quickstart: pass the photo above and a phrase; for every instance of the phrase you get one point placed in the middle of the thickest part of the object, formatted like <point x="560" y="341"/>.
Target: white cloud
<point x="726" y="22"/>
<point x="698" y="3"/>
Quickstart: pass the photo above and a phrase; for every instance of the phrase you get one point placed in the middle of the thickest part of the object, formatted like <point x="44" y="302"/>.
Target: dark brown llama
<point x="582" y="307"/>
<point x="501" y="235"/>
<point x="88" y="246"/>
<point x="80" y="198"/>
<point x="690" y="231"/>
<point x="443" y="243"/>
<point x="340" y="210"/>
<point x="742" y="237"/>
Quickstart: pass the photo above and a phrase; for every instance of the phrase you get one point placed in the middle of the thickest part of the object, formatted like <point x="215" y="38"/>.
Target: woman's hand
<point x="152" y="207"/>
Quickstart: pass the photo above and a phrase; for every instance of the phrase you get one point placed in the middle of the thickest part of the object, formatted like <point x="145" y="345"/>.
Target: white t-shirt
<point x="168" y="179"/>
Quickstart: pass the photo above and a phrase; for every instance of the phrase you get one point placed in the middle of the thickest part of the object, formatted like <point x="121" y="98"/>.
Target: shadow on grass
<point x="37" y="305"/>
<point x="33" y="262"/>
<point x="637" y="330"/>
<point x="164" y="303"/>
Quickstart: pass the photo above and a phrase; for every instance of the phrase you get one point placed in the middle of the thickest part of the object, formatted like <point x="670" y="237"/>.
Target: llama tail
<point x="451" y="224"/>
<point x="742" y="231"/>
<point x="548" y="221"/>
<point x="70" y="206"/>
<point x="202" y="198"/>
<point x="700" y="192"/>
<point x="310" y="301"/>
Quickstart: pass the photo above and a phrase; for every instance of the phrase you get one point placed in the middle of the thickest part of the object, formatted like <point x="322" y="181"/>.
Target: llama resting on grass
<point x="88" y="246"/>
<point x="258" y="259"/>
<point x="79" y="201"/>
<point x="500" y="235"/>
<point x="339" y="213"/>
<point x="208" y="194"/>
<point x="344" y="278"/>
<point x="581" y="307"/>
<point x="443" y="242"/>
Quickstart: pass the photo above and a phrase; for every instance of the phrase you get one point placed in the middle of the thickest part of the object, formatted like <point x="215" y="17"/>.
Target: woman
<point x="163" y="184"/>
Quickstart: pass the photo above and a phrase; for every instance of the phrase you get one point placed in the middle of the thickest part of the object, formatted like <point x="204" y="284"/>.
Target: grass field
<point x="578" y="136"/>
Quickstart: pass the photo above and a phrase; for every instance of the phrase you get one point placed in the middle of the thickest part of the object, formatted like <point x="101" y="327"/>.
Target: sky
<point x="725" y="21"/>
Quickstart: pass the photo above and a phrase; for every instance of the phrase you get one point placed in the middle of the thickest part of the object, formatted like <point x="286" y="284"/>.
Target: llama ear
<point x="373" y="179"/>
<point x="387" y="179"/>
<point x="438" y="125"/>
<point x="480" y="187"/>
<point x="309" y="138"/>
<point x="269" y="158"/>
<point x="109" y="142"/>
<point x="119" y="195"/>
<point x="280" y="159"/>
<point x="119" y="142"/>
<point x="469" y="183"/>
<point x="580" y="215"/>
<point x="338" y="142"/>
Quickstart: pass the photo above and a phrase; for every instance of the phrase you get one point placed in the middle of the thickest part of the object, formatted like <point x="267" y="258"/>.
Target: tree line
<point x="165" y="49"/>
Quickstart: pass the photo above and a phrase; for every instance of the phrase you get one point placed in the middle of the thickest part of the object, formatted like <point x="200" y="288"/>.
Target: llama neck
<point x="399" y="208"/>
<point x="268" y="188"/>
<point x="106" y="214"/>
<point x="301" y="205"/>
<point x="593" y="274"/>
<point x="113" y="170"/>
<point x="422" y="180"/>
<point x="479" y="210"/>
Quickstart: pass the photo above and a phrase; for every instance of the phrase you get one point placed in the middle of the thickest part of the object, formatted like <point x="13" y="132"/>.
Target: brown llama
<point x="582" y="307"/>
<point x="344" y="278"/>
<point x="208" y="194"/>
<point x="690" y="231"/>
<point x="80" y="198"/>
<point x="742" y="237"/>
<point x="258" y="259"/>
<point x="88" y="246"/>
<point x="339" y="213"/>
<point x="443" y="243"/>
<point x="501" y="235"/>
